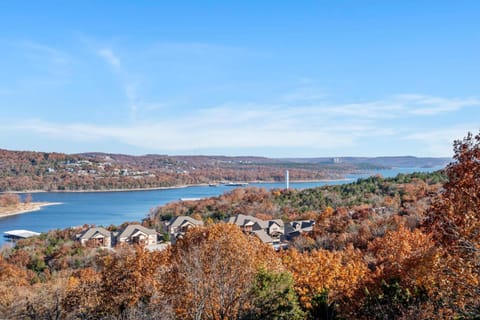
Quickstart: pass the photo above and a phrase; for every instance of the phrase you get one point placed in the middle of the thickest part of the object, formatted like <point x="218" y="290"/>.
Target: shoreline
<point x="172" y="187"/>
<point x="305" y="181"/>
<point x="109" y="190"/>
<point x="25" y="208"/>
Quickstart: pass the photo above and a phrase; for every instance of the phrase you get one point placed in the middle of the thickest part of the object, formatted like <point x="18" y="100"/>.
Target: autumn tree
<point x="13" y="279"/>
<point x="9" y="199"/>
<point x="130" y="277"/>
<point x="213" y="270"/>
<point x="404" y="254"/>
<point x="454" y="220"/>
<point x="28" y="198"/>
<point x="325" y="280"/>
<point x="43" y="300"/>
<point x="83" y="293"/>
<point x="273" y="297"/>
<point x="402" y="283"/>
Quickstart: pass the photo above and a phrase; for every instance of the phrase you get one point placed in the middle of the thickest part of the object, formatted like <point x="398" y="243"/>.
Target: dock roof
<point x="20" y="234"/>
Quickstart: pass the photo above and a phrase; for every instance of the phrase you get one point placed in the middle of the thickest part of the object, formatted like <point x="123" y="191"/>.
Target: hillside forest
<point x="399" y="248"/>
<point x="31" y="171"/>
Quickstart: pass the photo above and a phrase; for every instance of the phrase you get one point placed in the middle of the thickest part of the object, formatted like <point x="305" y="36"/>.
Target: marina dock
<point x="14" y="235"/>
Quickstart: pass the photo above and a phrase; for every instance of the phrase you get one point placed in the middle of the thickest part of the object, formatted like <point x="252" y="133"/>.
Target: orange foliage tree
<point x="402" y="284"/>
<point x="13" y="279"/>
<point x="454" y="221"/>
<point x="324" y="279"/>
<point x="404" y="254"/>
<point x="213" y="270"/>
<point x="127" y="281"/>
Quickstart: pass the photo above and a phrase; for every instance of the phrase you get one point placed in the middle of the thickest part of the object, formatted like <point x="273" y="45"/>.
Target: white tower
<point x="287" y="182"/>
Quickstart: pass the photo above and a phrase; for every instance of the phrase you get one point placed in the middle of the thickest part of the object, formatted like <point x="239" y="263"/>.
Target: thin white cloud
<point x="370" y="110"/>
<point x="110" y="57"/>
<point x="403" y="106"/>
<point x="129" y="88"/>
<point x="247" y="126"/>
<point x="439" y="141"/>
<point x="177" y="138"/>
<point x="220" y="127"/>
<point x="430" y="106"/>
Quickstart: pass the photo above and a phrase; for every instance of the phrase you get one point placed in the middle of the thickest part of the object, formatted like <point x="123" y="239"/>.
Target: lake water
<point x="105" y="208"/>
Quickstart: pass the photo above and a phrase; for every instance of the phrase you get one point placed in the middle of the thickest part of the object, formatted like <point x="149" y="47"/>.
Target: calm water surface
<point x="105" y="208"/>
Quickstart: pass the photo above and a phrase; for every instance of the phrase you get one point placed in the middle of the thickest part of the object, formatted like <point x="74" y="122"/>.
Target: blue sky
<point x="267" y="78"/>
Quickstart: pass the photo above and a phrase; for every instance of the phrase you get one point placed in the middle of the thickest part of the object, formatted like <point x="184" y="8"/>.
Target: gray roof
<point x="307" y="224"/>
<point x="300" y="225"/>
<point x="132" y="228"/>
<point x="294" y="234"/>
<point x="89" y="233"/>
<point x="178" y="221"/>
<point x="263" y="236"/>
<point x="277" y="221"/>
<point x="241" y="220"/>
<point x="238" y="219"/>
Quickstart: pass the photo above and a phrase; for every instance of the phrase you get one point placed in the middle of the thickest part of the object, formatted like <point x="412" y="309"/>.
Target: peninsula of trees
<point x="12" y="204"/>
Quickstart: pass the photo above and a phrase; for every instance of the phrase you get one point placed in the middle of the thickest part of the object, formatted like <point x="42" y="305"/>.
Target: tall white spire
<point x="287" y="182"/>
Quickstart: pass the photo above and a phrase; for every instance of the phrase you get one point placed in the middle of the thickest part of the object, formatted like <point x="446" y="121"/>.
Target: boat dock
<point x="19" y="234"/>
<point x="190" y="199"/>
<point x="236" y="184"/>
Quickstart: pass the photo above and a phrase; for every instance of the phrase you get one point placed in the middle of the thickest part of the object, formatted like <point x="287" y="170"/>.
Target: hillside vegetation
<point x="404" y="194"/>
<point x="26" y="170"/>
<point x="399" y="248"/>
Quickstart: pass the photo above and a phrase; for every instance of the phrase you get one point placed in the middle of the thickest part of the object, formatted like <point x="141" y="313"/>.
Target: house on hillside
<point x="270" y="231"/>
<point x="137" y="234"/>
<point x="177" y="226"/>
<point x="247" y="223"/>
<point x="276" y="228"/>
<point x="96" y="237"/>
<point x="296" y="228"/>
<point x="131" y="234"/>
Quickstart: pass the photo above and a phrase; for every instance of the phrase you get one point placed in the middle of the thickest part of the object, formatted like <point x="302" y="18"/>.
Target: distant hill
<point x="28" y="170"/>
<point x="407" y="161"/>
<point x="390" y="162"/>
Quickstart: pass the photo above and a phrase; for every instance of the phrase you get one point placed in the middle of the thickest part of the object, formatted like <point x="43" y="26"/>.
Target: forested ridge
<point x="28" y="170"/>
<point x="399" y="248"/>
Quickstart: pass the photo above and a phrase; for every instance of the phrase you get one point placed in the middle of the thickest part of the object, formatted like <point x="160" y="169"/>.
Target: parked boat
<point x="236" y="184"/>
